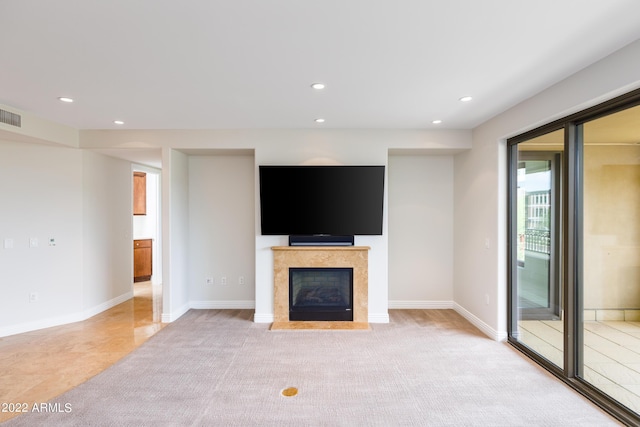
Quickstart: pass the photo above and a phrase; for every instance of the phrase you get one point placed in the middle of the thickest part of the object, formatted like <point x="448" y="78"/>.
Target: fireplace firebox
<point x="321" y="294"/>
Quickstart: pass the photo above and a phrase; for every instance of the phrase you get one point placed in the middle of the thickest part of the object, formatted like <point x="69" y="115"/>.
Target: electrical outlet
<point x="241" y="280"/>
<point x="33" y="296"/>
<point x="209" y="280"/>
<point x="33" y="242"/>
<point x="223" y="280"/>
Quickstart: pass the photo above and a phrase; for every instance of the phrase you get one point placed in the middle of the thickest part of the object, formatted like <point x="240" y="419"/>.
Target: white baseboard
<point x="107" y="305"/>
<point x="223" y="305"/>
<point x="378" y="317"/>
<point x="475" y="321"/>
<point x="174" y="315"/>
<point x="448" y="305"/>
<point x="420" y="305"/>
<point x="40" y="324"/>
<point x="263" y="317"/>
<point x="64" y="319"/>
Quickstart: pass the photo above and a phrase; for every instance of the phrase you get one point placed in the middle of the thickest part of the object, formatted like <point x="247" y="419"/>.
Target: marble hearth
<point x="355" y="257"/>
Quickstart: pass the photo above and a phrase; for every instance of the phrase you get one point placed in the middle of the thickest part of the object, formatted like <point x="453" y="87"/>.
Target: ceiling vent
<point x="10" y="118"/>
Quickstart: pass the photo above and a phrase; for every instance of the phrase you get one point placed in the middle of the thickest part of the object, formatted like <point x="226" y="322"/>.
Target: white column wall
<point x="107" y="267"/>
<point x="175" y="241"/>
<point x="221" y="231"/>
<point x="420" y="231"/>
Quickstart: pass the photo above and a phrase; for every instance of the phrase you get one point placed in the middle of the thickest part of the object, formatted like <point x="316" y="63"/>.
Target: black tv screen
<point x="321" y="200"/>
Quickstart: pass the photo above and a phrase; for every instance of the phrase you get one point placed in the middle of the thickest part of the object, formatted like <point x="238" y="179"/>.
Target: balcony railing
<point x="537" y="240"/>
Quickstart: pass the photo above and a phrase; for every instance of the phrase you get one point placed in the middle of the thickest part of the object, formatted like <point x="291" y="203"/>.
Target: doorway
<point x="147" y="244"/>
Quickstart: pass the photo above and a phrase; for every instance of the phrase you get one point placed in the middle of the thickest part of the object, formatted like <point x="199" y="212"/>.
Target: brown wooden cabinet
<point x="139" y="193"/>
<point x="142" y="259"/>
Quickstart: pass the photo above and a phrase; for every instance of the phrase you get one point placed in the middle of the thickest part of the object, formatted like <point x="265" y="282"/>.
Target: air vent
<point x="10" y="118"/>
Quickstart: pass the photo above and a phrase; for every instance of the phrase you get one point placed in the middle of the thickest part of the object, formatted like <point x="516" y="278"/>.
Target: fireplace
<point x="324" y="294"/>
<point x="321" y="258"/>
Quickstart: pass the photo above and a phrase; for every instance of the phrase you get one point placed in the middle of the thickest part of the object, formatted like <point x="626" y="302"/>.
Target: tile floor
<point x="611" y="354"/>
<point x="38" y="366"/>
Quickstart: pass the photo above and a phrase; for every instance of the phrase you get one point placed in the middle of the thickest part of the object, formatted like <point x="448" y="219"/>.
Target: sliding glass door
<point x="537" y="290"/>
<point x="610" y="293"/>
<point x="574" y="251"/>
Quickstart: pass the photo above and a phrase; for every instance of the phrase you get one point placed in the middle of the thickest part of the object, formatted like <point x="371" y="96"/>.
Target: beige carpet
<point x="218" y="368"/>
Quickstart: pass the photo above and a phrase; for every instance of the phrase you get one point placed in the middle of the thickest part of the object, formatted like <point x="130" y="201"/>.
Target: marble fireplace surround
<point x="355" y="257"/>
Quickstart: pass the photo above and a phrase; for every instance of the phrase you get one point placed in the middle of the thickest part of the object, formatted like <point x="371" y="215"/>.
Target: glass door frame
<point x="512" y="233"/>
<point x="554" y="280"/>
<point x="572" y="250"/>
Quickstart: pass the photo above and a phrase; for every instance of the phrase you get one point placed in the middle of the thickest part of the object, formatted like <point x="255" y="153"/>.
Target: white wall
<point x="108" y="250"/>
<point x="480" y="183"/>
<point x="41" y="198"/>
<point x="175" y="231"/>
<point x="420" y="231"/>
<point x="479" y="233"/>
<point x="50" y="192"/>
<point x="221" y="230"/>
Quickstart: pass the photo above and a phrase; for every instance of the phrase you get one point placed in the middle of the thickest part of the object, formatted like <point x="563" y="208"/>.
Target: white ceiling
<point x="238" y="64"/>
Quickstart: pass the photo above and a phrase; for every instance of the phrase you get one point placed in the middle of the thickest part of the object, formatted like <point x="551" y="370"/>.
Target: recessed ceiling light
<point x="466" y="99"/>
<point x="319" y="120"/>
<point x="436" y="122"/>
<point x="318" y="86"/>
<point x="118" y="122"/>
<point x="65" y="99"/>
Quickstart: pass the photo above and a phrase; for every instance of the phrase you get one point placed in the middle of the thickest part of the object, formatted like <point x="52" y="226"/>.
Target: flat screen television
<point x="321" y="200"/>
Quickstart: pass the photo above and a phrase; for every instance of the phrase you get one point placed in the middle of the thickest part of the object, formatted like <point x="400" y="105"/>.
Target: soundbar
<point x="321" y="240"/>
